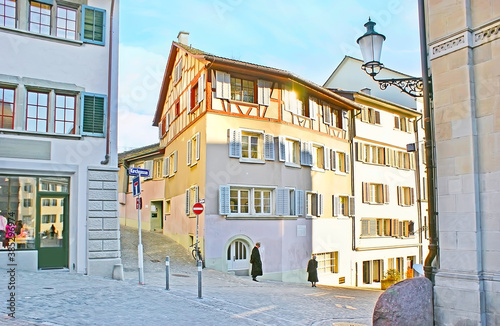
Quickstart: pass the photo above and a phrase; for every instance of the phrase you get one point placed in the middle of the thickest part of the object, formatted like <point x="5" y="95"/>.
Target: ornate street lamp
<point x="371" y="47"/>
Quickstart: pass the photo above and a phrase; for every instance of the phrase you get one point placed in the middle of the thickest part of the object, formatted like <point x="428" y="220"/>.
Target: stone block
<point x="447" y="203"/>
<point x="455" y="185"/>
<point x="111" y="224"/>
<point x="466" y="203"/>
<point x="95" y="245"/>
<point x="104" y="235"/>
<point x="97" y="175"/>
<point x="102" y="195"/>
<point x="466" y="240"/>
<point x="110" y="206"/>
<point x="118" y="272"/>
<point x="110" y="185"/>
<point x="95" y="205"/>
<point x="405" y="302"/>
<point x="104" y="254"/>
<point x="103" y="214"/>
<point x="111" y="245"/>
<point x="447" y="240"/>
<point x="95" y="184"/>
<point x="94" y="223"/>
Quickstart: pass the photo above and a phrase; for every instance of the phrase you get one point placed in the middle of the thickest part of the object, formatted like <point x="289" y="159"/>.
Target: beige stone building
<point x="464" y="55"/>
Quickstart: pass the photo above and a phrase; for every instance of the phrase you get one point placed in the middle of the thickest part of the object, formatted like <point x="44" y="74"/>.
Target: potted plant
<point x="391" y="276"/>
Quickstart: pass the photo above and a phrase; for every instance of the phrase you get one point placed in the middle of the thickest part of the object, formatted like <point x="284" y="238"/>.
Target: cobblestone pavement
<point x="63" y="298"/>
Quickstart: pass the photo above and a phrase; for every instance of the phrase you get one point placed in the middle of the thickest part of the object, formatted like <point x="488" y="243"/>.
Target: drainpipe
<point x="110" y="55"/>
<point x="429" y="145"/>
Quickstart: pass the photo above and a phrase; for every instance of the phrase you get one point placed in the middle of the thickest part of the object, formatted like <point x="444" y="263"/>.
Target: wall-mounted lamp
<point x="371" y="48"/>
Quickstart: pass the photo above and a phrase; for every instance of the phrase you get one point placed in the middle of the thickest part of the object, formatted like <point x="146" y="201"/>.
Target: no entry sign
<point x="197" y="208"/>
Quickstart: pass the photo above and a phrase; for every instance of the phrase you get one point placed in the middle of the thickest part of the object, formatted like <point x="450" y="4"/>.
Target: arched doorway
<point x="238" y="257"/>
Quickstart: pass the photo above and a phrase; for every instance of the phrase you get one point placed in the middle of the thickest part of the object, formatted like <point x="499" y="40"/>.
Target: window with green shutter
<point x="93" y="25"/>
<point x="93" y="114"/>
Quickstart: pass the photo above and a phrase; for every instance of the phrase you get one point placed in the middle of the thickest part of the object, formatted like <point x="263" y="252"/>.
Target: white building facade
<point x="58" y="117"/>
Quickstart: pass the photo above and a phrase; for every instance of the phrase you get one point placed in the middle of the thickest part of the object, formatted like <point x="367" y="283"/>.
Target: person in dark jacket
<point x="312" y="270"/>
<point x="256" y="262"/>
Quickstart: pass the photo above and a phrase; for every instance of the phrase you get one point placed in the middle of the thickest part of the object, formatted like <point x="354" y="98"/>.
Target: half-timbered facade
<point x="268" y="153"/>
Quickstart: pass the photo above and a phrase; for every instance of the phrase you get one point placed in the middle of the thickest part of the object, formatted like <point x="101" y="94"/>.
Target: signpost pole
<point x="139" y="247"/>
<point x="198" y="209"/>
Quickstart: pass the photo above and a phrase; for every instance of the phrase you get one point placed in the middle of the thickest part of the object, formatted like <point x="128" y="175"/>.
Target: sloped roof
<point x="137" y="152"/>
<point x="213" y="59"/>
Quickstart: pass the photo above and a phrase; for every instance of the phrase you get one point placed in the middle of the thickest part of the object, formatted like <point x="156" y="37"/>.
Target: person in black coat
<point x="256" y="262"/>
<point x="312" y="270"/>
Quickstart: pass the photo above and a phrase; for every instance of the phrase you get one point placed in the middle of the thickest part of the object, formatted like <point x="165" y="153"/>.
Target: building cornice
<point x="465" y="38"/>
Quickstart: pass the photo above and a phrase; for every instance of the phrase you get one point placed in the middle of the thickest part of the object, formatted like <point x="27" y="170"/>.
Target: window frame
<point x="241" y="87"/>
<point x="43" y="6"/>
<point x="66" y="20"/>
<point x="37" y="107"/>
<point x="4" y="17"/>
<point x="226" y="195"/>
<point x="3" y="103"/>
<point x="56" y="108"/>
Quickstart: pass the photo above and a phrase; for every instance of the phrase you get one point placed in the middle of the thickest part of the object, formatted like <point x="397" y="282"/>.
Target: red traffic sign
<point x="197" y="208"/>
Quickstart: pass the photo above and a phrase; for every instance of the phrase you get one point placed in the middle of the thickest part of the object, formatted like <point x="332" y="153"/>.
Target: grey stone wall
<point x="103" y="222"/>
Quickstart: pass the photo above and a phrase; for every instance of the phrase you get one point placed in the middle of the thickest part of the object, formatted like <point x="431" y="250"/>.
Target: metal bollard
<point x="167" y="273"/>
<point x="199" y="279"/>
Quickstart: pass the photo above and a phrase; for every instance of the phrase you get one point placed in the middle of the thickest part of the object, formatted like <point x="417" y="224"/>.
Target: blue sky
<point x="308" y="38"/>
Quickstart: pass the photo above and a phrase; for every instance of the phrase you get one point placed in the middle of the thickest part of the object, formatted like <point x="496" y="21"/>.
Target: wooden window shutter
<point x="93" y="25"/>
<point x="269" y="147"/>
<point x="352" y="206"/>
<point x="224" y="201"/>
<point x="326" y="157"/>
<point x="333" y="165"/>
<point x="234" y="143"/>
<point x="386" y="194"/>
<point x="313" y="108"/>
<point x="93" y="115"/>
<point x="165" y="167"/>
<point x="347" y="163"/>
<point x="188" y="204"/>
<point x="345" y="120"/>
<point x="400" y="201"/>
<point x="196" y="194"/>
<point x="335" y="208"/>
<point x="175" y="162"/>
<point x="373" y="227"/>
<point x="396" y="122"/>
<point x="201" y="88"/>
<point x="327" y="114"/>
<point x="198" y="146"/>
<point x="188" y="100"/>
<point x="299" y="202"/>
<point x="364" y="227"/>
<point x="282" y="201"/>
<point x="167" y="125"/>
<point x="189" y="150"/>
<point x="412" y="196"/>
<point x="222" y="85"/>
<point x="263" y="92"/>
<point x="320" y="205"/>
<point x="366" y="192"/>
<point x="377" y="117"/>
<point x="282" y="149"/>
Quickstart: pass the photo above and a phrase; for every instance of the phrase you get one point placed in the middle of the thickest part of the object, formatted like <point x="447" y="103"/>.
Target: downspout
<point x="429" y="145"/>
<point x="420" y="228"/>
<point x="110" y="56"/>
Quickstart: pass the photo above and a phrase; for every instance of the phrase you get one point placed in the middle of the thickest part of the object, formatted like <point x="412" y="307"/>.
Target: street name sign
<point x="139" y="172"/>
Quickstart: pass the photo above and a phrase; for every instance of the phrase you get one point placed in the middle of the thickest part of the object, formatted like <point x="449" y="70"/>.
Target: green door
<point x="52" y="231"/>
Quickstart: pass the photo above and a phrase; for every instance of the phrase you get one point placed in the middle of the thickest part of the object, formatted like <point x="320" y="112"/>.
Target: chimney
<point x="367" y="90"/>
<point x="183" y="37"/>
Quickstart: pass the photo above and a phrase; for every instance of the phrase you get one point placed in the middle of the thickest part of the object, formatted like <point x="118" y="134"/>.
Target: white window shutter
<point x="189" y="145"/>
<point x="334" y="160"/>
<point x="299" y="202"/>
<point x="263" y="92"/>
<point x="327" y="114"/>
<point x="148" y="165"/>
<point x="165" y="167"/>
<point x="224" y="202"/>
<point x="222" y="85"/>
<point x="345" y="120"/>
<point x="352" y="206"/>
<point x="188" y="101"/>
<point x="326" y="157"/>
<point x="198" y="146"/>
<point x="167" y="122"/>
<point x="286" y="99"/>
<point x="303" y="153"/>
<point x="188" y="204"/>
<point x="308" y="153"/>
<point x="320" y="204"/>
<point x="313" y="108"/>
<point x="282" y="149"/>
<point x="234" y="143"/>
<point x="175" y="162"/>
<point x="160" y="134"/>
<point x="201" y="88"/>
<point x="347" y="163"/>
<point x="227" y="86"/>
<point x="269" y="147"/>
<point x="335" y="209"/>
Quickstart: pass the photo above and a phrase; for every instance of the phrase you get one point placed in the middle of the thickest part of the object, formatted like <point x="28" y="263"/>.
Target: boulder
<point x="408" y="302"/>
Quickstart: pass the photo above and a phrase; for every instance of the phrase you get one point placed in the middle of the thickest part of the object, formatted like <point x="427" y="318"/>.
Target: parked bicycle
<point x="196" y="253"/>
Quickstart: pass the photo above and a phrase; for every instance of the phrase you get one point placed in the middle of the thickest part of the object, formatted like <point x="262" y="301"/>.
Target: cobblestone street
<point x="62" y="298"/>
